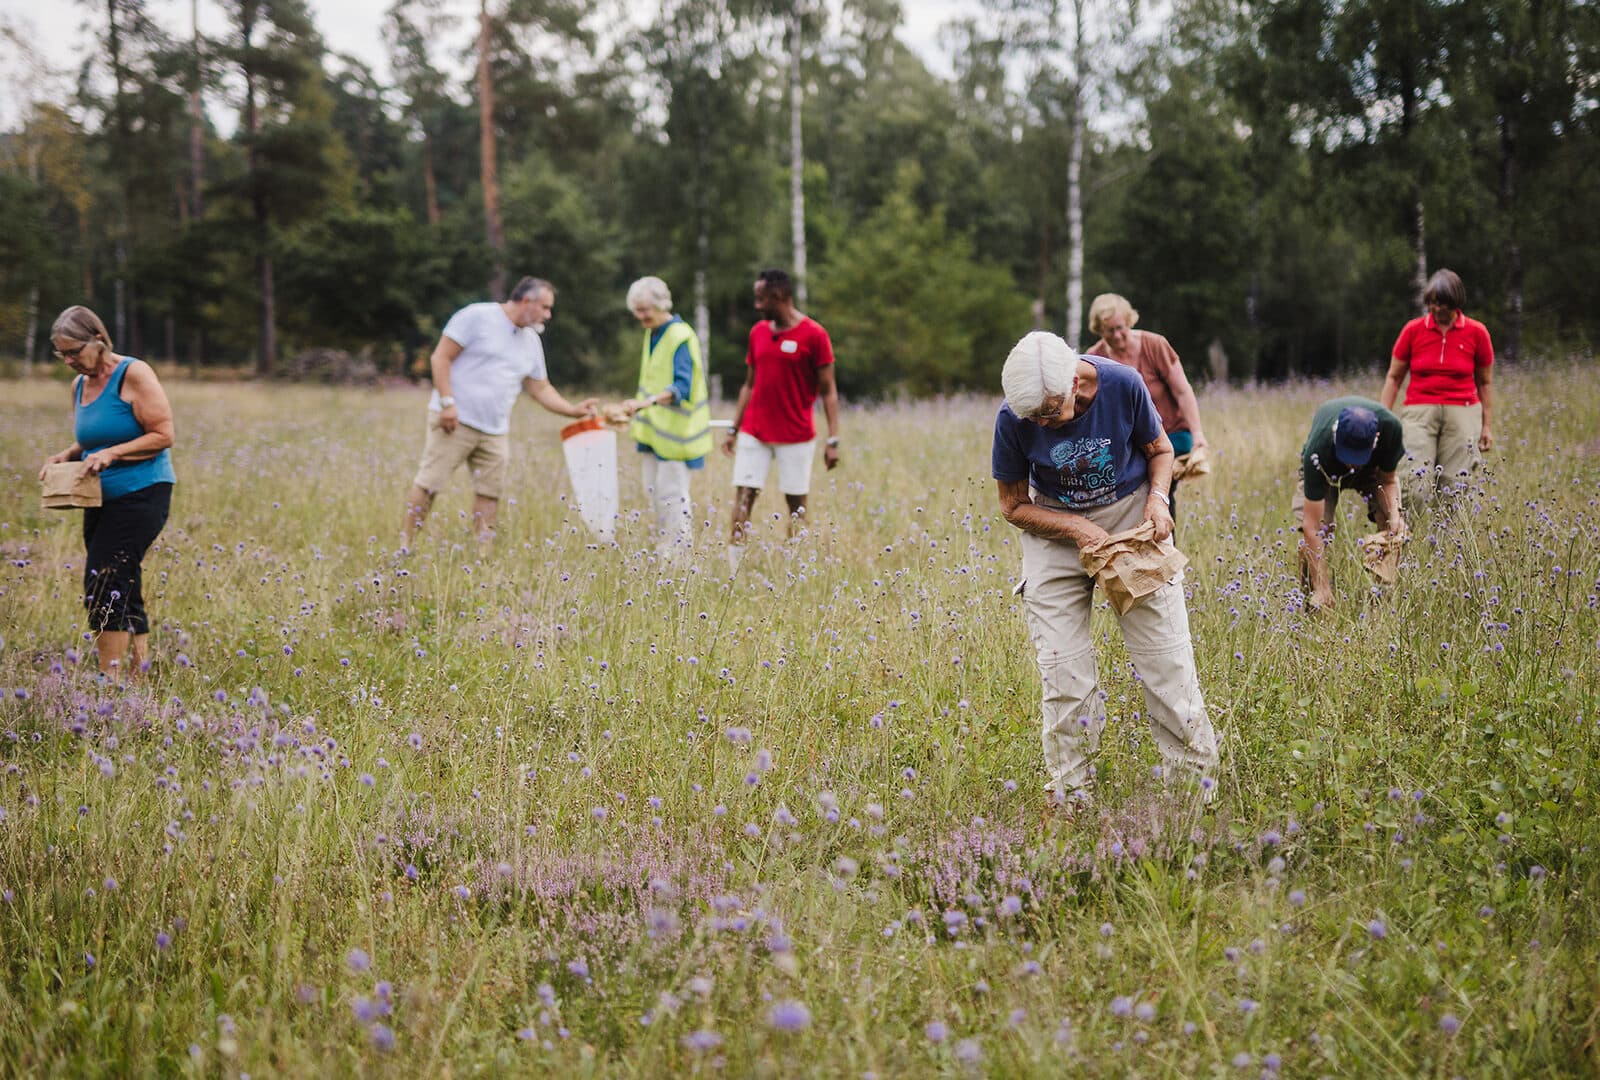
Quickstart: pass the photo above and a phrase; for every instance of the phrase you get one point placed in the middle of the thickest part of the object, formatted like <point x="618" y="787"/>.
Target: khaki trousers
<point x="1441" y="446"/>
<point x="1058" y="597"/>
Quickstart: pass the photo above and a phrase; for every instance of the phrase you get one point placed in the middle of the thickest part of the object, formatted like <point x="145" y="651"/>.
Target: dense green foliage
<point x="556" y="809"/>
<point x="1259" y="179"/>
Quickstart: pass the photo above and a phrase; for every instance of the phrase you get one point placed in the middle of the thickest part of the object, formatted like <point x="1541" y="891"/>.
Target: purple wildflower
<point x="789" y="1015"/>
<point x="702" y="1041"/>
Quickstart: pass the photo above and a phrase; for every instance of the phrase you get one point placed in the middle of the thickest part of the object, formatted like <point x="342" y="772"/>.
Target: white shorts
<point x="752" y="458"/>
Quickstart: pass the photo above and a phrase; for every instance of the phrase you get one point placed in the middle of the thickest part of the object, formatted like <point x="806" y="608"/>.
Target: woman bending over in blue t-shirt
<point x="1079" y="455"/>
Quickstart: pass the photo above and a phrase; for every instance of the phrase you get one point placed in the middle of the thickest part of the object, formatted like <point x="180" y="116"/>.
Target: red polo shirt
<point x="1443" y="362"/>
<point x="784" y="390"/>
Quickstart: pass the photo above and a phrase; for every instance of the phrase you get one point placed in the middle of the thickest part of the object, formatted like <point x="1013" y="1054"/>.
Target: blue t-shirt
<point x="1095" y="459"/>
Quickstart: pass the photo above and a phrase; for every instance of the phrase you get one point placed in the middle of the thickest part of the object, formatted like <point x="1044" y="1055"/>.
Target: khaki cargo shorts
<point x="488" y="456"/>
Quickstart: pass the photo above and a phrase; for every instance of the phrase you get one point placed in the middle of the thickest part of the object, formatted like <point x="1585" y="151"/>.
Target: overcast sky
<point x="57" y="30"/>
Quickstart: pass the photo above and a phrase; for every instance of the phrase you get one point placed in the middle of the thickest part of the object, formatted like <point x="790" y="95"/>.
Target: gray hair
<point x="78" y="323"/>
<point x="652" y="291"/>
<point x="1041" y="366"/>
<point x="531" y="286"/>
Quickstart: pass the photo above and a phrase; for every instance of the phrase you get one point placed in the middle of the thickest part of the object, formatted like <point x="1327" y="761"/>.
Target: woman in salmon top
<point x="122" y="428"/>
<point x="1156" y="361"/>
<point x="1446" y="414"/>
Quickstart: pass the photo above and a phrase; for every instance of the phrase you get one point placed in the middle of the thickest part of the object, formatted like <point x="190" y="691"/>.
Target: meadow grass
<point x="553" y="808"/>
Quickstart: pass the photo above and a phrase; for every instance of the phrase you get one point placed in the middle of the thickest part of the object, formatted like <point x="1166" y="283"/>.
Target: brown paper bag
<point x="66" y="488"/>
<point x="1130" y="565"/>
<point x="1193" y="465"/>
<point x="1380" y="556"/>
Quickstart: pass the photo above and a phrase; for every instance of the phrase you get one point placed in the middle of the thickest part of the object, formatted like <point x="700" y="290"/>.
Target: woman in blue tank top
<point x="122" y="428"/>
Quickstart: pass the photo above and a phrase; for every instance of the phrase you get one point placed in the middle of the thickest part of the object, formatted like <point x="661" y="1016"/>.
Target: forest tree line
<point x="1269" y="183"/>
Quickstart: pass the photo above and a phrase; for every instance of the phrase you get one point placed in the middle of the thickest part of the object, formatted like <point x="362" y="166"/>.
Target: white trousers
<point x="1058" y="597"/>
<point x="666" y="485"/>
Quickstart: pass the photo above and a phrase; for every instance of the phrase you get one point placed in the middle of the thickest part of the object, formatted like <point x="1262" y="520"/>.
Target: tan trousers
<point x="1441" y="446"/>
<point x="1058" y="597"/>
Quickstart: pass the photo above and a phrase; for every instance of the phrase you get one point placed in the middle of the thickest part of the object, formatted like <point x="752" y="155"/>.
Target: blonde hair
<point x="1041" y="366"/>
<point x="78" y="323"/>
<point x="652" y="291"/>
<point x="1107" y="305"/>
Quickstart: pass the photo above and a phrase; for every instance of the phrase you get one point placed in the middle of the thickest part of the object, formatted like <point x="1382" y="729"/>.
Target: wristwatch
<point x="447" y="402"/>
<point x="833" y="440"/>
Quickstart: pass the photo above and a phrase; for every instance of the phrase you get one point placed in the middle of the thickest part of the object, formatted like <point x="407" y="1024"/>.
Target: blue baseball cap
<point x="1355" y="435"/>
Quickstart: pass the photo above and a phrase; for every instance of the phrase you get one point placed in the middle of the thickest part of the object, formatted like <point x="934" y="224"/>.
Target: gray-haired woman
<point x="671" y="411"/>
<point x="1079" y="455"/>
<point x="122" y="427"/>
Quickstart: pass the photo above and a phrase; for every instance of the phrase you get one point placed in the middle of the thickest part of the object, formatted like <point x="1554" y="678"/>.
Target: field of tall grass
<point x="557" y="808"/>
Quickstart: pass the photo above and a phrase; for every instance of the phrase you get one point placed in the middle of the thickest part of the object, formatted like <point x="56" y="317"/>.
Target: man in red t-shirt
<point x="789" y="364"/>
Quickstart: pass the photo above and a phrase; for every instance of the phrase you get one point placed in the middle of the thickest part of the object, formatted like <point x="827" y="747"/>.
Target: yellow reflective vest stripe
<point x="680" y="431"/>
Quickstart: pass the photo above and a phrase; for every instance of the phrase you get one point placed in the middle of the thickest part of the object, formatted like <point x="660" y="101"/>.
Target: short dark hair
<point x="777" y="281"/>
<point x="1445" y="287"/>
<point x="531" y="286"/>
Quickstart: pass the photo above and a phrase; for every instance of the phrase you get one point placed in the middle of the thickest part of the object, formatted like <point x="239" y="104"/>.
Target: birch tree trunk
<point x="797" y="160"/>
<point x="267" y="328"/>
<point x="1075" y="185"/>
<point x="490" y="170"/>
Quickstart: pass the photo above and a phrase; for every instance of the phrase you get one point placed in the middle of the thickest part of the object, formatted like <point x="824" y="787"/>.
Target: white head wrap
<point x="1041" y="366"/>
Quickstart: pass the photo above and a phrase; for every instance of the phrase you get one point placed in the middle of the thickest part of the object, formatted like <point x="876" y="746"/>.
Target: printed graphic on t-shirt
<point x="1088" y="472"/>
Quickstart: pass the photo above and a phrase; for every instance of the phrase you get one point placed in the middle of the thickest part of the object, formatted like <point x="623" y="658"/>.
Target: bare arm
<point x="1314" y="551"/>
<point x="542" y="391"/>
<point x="738" y="410"/>
<point x="1393" y="520"/>
<point x="1392" y="381"/>
<point x="1183" y="394"/>
<point x="444" y="354"/>
<point x="1483" y="376"/>
<point x="1158" y="504"/>
<point x="828" y="388"/>
<point x="151" y="409"/>
<point x="1019" y="509"/>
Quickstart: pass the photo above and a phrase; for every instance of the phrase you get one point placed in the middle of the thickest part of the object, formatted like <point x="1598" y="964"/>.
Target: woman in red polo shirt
<point x="1446" y="414"/>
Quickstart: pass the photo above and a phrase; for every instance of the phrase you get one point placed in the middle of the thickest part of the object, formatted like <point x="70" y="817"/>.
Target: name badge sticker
<point x="790" y="347"/>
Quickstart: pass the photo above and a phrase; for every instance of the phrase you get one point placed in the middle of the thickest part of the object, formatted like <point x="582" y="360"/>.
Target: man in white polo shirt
<point x="488" y="352"/>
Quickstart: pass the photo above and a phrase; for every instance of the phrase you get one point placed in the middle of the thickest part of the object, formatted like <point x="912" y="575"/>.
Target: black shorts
<point x="116" y="536"/>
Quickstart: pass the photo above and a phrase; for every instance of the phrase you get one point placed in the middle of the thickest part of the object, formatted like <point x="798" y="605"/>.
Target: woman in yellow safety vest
<point x="671" y="413"/>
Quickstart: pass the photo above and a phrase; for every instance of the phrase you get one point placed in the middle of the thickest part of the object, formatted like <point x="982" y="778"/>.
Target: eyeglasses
<point x="72" y="354"/>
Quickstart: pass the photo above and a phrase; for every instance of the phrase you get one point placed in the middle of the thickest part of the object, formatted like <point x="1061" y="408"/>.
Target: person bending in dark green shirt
<point x="1355" y="444"/>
